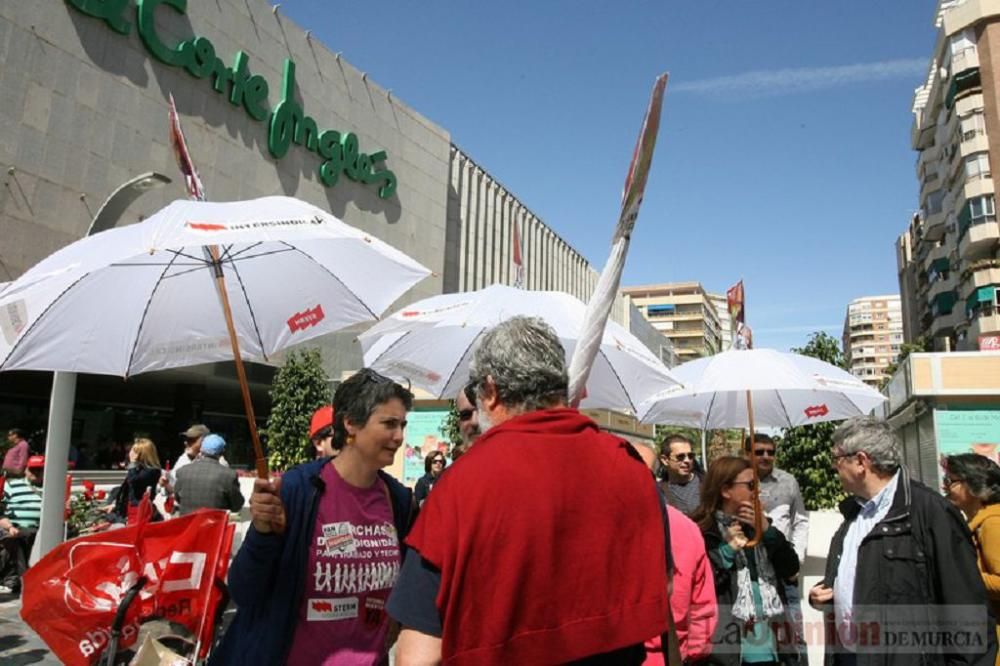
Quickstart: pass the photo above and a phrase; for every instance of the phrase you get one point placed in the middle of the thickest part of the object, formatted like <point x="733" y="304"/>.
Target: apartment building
<point x="684" y="313"/>
<point x="873" y="333"/>
<point x="949" y="257"/>
<point x="727" y="327"/>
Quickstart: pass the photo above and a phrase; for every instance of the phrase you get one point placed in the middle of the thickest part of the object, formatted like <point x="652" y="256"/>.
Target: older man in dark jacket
<point x="206" y="483"/>
<point x="901" y="584"/>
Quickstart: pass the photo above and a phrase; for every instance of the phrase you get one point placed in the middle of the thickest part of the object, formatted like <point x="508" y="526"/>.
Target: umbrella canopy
<point x="143" y="297"/>
<point x="787" y="390"/>
<point x="431" y="343"/>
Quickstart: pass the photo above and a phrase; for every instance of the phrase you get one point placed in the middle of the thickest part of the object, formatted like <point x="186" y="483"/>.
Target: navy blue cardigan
<point x="267" y="576"/>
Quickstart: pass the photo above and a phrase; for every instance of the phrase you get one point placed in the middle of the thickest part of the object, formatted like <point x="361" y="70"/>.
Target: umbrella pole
<point x="758" y="513"/>
<point x="220" y="283"/>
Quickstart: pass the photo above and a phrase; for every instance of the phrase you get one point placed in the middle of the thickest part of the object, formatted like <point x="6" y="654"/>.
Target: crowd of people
<point x="548" y="540"/>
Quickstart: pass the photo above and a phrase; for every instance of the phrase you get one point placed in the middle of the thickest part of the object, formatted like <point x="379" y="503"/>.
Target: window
<point x="972" y="126"/>
<point x="977" y="166"/>
<point x="660" y="310"/>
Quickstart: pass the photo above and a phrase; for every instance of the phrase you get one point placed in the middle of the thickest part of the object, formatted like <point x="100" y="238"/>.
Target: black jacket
<point x="725" y="646"/>
<point x="917" y="567"/>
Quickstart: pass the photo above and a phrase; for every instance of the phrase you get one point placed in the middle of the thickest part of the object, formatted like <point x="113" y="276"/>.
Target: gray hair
<point x="527" y="362"/>
<point x="874" y="437"/>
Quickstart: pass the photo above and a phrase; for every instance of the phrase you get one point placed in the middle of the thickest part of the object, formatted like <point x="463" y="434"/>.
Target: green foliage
<point x="905" y="349"/>
<point x="300" y="387"/>
<point x="449" y="427"/>
<point x="805" y="451"/>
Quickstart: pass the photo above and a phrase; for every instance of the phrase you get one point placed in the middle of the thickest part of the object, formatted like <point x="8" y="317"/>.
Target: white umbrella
<point x="143" y="297"/>
<point x="786" y="390"/>
<point x="431" y="343"/>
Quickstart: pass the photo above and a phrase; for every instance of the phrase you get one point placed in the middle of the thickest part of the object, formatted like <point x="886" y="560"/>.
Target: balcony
<point x="967" y="58"/>
<point x="984" y="325"/>
<point x="982" y="273"/>
<point x="941" y="286"/>
<point x="945" y="324"/>
<point x="979" y="240"/>
<point x="937" y="259"/>
<point x="963" y="83"/>
<point x="934" y="226"/>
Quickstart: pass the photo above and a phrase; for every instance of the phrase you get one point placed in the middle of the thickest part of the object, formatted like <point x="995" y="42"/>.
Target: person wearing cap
<point x="321" y="433"/>
<point x="22" y="498"/>
<point x="207" y="484"/>
<point x="193" y="437"/>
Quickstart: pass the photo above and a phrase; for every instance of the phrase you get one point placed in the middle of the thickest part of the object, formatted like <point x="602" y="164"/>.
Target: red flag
<point x="734" y="299"/>
<point x="192" y="181"/>
<point x="72" y="594"/>
<point x="215" y="596"/>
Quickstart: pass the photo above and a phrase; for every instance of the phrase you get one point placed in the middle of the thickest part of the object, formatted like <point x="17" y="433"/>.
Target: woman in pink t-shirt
<point x="326" y="541"/>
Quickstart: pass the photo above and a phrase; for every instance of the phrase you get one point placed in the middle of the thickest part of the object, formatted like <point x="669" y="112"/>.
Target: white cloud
<point x="766" y="83"/>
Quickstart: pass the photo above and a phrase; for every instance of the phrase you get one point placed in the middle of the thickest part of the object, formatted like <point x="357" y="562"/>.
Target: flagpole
<point x="196" y="192"/>
<point x="601" y="301"/>
<point x="758" y="514"/>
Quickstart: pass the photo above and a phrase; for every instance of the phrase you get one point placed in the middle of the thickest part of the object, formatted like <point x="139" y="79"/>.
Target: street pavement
<point x="18" y="643"/>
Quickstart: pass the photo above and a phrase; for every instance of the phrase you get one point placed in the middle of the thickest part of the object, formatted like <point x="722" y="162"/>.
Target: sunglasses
<point x="466" y="414"/>
<point x="376" y="378"/>
<point x="681" y="457"/>
<point x="762" y="453"/>
<point x="751" y="485"/>
<point x="948" y="482"/>
<point x="437" y="461"/>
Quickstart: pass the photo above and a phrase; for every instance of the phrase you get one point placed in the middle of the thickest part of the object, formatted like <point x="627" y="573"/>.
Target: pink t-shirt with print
<point x="353" y="564"/>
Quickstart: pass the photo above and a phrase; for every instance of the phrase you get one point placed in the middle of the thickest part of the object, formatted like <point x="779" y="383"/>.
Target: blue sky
<point x="783" y="156"/>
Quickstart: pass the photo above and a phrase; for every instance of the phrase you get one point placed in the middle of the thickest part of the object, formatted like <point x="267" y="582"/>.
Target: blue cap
<point x="212" y="445"/>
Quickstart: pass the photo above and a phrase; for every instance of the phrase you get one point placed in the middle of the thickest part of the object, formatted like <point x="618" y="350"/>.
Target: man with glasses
<point x="682" y="482"/>
<point x="468" y="420"/>
<point x="782" y="501"/>
<point x="901" y="575"/>
<point x="513" y="558"/>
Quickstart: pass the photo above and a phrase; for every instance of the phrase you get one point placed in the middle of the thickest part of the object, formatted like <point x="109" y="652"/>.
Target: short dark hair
<point x="672" y="437"/>
<point x="18" y="432"/>
<point x="470" y="393"/>
<point x="979" y="473"/>
<point x="758" y="438"/>
<point x="358" y="396"/>
<point x="321" y="434"/>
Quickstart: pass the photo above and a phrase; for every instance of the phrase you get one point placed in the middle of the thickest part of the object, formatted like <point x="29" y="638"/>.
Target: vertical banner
<point x="599" y="305"/>
<point x="736" y="302"/>
<point x="423" y="435"/>
<point x="516" y="255"/>
<point x="195" y="190"/>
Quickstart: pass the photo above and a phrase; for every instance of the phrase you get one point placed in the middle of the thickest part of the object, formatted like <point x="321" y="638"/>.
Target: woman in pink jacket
<point x="693" y="600"/>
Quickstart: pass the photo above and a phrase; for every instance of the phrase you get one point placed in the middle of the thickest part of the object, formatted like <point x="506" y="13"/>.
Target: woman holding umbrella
<point x="747" y="578"/>
<point x="313" y="575"/>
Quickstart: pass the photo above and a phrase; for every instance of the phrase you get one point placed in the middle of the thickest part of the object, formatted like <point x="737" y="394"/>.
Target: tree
<point x="805" y="451"/>
<point x="449" y="427"/>
<point x="300" y="388"/>
<point x="905" y="349"/>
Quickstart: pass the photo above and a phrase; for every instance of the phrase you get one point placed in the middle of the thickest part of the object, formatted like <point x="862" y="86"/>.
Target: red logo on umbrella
<point x="322" y="606"/>
<point x="817" y="410"/>
<point x="206" y="226"/>
<point x="303" y="320"/>
<point x="409" y="313"/>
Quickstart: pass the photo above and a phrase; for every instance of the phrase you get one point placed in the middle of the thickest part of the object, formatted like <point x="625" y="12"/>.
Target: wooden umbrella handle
<point x="758" y="510"/>
<point x="220" y="282"/>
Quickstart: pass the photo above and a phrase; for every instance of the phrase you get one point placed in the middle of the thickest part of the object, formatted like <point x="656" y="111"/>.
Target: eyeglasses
<point x="948" y="482"/>
<point x="437" y="461"/>
<point x="751" y="485"/>
<point x="466" y="414"/>
<point x="764" y="453"/>
<point x="837" y="456"/>
<point x="681" y="457"/>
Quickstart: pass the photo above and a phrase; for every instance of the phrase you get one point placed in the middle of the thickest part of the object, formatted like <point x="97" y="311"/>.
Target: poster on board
<point x="423" y="435"/>
<point x="968" y="431"/>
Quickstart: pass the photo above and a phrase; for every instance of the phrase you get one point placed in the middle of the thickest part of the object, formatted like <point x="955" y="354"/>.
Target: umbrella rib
<point x="468" y="347"/>
<point x="40" y="317"/>
<point x="788" y="417"/>
<point x="708" y="412"/>
<point x="236" y="257"/>
<point x="617" y="377"/>
<point x="181" y="253"/>
<point x="387" y="349"/>
<point x="226" y="255"/>
<point x="142" y="320"/>
<point x="253" y="318"/>
<point x="331" y="274"/>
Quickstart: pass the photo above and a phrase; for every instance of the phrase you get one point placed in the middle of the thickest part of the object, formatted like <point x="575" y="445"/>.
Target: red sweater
<point x="549" y="539"/>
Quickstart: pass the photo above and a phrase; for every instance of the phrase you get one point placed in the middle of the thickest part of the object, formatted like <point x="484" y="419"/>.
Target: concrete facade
<point x="684" y="313"/>
<point x="948" y="259"/>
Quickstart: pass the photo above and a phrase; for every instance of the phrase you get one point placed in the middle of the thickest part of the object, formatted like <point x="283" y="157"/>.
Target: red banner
<point x="734" y="299"/>
<point x="72" y="594"/>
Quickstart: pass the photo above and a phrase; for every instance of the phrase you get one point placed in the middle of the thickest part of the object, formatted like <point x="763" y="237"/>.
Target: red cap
<point x="322" y="418"/>
<point x="34" y="462"/>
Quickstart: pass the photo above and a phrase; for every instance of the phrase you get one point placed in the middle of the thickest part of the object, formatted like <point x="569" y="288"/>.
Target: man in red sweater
<point x="544" y="544"/>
